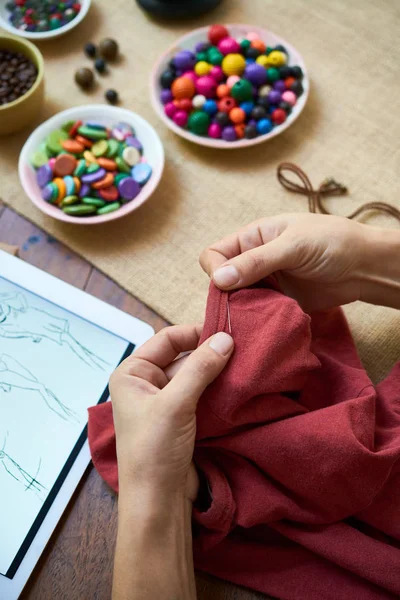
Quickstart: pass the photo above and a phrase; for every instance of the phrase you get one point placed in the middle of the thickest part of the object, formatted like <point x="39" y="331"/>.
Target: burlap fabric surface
<point x="350" y="129"/>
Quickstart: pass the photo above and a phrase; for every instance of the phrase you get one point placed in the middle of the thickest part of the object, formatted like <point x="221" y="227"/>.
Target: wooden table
<point x="77" y="563"/>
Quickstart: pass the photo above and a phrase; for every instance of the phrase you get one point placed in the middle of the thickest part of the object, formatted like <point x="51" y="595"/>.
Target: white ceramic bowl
<point x="42" y="35"/>
<point x="108" y="115"/>
<point x="188" y="42"/>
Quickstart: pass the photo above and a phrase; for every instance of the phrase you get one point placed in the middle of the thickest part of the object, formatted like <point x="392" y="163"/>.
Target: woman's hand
<point x="154" y="401"/>
<point x="321" y="261"/>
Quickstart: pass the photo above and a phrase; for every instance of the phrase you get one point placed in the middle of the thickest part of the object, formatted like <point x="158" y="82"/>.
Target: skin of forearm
<point x="380" y="277"/>
<point x="154" y="556"/>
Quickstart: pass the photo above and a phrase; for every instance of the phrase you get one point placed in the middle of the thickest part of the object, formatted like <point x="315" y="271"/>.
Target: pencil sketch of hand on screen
<point x="16" y="471"/>
<point x="20" y="320"/>
<point x="14" y="375"/>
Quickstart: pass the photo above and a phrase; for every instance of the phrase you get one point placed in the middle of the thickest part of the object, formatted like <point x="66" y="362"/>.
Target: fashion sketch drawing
<point x="14" y="375"/>
<point x="14" y="470"/>
<point x="20" y="320"/>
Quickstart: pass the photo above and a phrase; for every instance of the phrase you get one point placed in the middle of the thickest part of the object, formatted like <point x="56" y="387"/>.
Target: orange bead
<point x="237" y="115"/>
<point x="226" y="104"/>
<point x="240" y="130"/>
<point x="106" y="182"/>
<point x="62" y="189"/>
<point x="223" y="90"/>
<point x="289" y="82"/>
<point x="77" y="182"/>
<point x="258" y="45"/>
<point x="73" y="146"/>
<point x="107" y="163"/>
<point x="82" y="140"/>
<point x="183" y="87"/>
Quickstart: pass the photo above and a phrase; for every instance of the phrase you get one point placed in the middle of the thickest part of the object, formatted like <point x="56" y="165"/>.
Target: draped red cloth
<point x="299" y="452"/>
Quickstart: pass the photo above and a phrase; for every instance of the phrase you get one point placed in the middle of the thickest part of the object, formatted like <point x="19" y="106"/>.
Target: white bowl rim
<point x="217" y="143"/>
<point x="127" y="208"/>
<point x="47" y="35"/>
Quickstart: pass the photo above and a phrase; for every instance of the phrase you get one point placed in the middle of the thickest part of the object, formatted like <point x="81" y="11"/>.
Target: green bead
<point x="54" y="140"/>
<point x="268" y="50"/>
<point x="113" y="147"/>
<point x="98" y="202"/>
<point x="93" y="134"/>
<point x="122" y="166"/>
<point x="80" y="168"/>
<point x="54" y="192"/>
<point x="242" y="90"/>
<point x="215" y="57"/>
<point x="79" y="209"/>
<point x="201" y="56"/>
<point x="55" y="23"/>
<point x="119" y="177"/>
<point x="198" y="122"/>
<point x="99" y="148"/>
<point x="39" y="158"/>
<point x="69" y="200"/>
<point x="67" y="126"/>
<point x="93" y="167"/>
<point x="245" y="44"/>
<point x="272" y="74"/>
<point x="108" y="208"/>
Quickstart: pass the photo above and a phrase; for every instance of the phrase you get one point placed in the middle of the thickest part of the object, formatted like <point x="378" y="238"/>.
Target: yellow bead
<point x="233" y="64"/>
<point x="262" y="60"/>
<point x="202" y="68"/>
<point x="276" y="58"/>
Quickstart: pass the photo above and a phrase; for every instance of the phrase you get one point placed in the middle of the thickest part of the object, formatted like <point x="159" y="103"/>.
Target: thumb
<point x="199" y="370"/>
<point x="252" y="266"/>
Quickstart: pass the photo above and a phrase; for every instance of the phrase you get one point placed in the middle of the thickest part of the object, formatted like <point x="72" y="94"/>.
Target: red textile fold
<point x="301" y="455"/>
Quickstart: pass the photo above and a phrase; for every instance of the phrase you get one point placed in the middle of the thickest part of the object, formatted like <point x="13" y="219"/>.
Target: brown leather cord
<point x="329" y="187"/>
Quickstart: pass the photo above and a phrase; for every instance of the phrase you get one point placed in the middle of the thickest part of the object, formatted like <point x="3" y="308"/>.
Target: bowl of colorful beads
<point x="229" y="86"/>
<point x="91" y="164"/>
<point x="41" y="19"/>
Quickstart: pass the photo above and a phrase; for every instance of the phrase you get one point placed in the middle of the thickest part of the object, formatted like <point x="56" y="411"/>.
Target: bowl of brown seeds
<point x="21" y="83"/>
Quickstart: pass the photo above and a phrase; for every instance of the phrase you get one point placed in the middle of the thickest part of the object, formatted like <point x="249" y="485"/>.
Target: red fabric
<point x="301" y="454"/>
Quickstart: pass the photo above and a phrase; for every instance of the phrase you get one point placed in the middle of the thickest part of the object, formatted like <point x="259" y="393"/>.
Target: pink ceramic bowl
<point x="188" y="42"/>
<point x="108" y="115"/>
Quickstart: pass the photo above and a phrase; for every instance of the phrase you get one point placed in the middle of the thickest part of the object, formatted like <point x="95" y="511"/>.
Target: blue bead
<point x="210" y="107"/>
<point x="250" y="61"/>
<point x="247" y="106"/>
<point x="264" y="126"/>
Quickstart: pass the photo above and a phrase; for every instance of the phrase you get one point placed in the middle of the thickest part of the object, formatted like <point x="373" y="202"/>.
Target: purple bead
<point x="256" y="74"/>
<point x="184" y="60"/>
<point x="274" y="97"/>
<point x="44" y="175"/>
<point x="84" y="191"/>
<point x="128" y="188"/>
<point x="93" y="177"/>
<point x="47" y="193"/>
<point x="252" y="122"/>
<point x="134" y="142"/>
<point x="166" y="96"/>
<point x="279" y="85"/>
<point x="229" y="134"/>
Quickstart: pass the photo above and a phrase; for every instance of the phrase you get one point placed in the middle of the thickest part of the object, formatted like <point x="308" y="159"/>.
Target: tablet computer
<point x="58" y="348"/>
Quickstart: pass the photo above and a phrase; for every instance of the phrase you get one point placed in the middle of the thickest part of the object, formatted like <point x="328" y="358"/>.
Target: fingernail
<point x="226" y="276"/>
<point x="221" y="343"/>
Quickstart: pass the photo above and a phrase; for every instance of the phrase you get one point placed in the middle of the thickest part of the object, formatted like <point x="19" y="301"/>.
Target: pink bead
<point x="52" y="162"/>
<point x="206" y="86"/>
<point x="289" y="97"/>
<point x="191" y="74"/>
<point x="214" y="131"/>
<point x="252" y="35"/>
<point x="232" y="79"/>
<point x="228" y="46"/>
<point x="170" y="109"/>
<point x="143" y="160"/>
<point x="217" y="73"/>
<point x="180" y="118"/>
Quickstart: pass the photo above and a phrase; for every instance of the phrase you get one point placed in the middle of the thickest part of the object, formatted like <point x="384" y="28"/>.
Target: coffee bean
<point x="17" y="75"/>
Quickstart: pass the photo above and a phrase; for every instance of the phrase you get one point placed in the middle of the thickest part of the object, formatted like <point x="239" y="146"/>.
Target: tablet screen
<point x="53" y="366"/>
